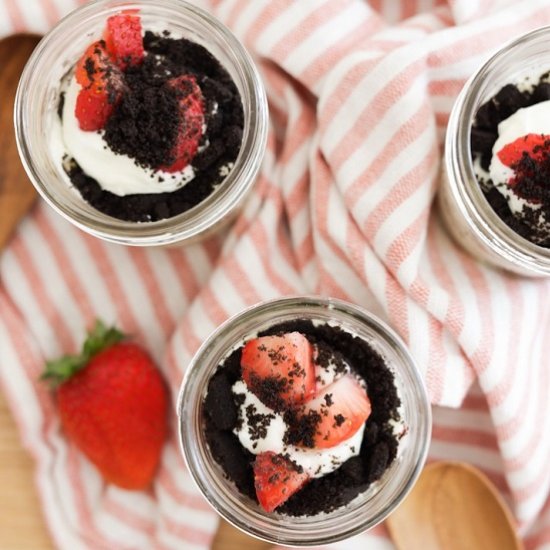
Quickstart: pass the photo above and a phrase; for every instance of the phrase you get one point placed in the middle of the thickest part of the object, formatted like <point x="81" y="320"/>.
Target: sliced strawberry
<point x="96" y="70"/>
<point x="102" y="85"/>
<point x="276" y="479"/>
<point x="124" y="40"/>
<point x="285" y="362"/>
<point x="191" y="113"/>
<point x="535" y="145"/>
<point x="343" y="407"/>
<point x="92" y="110"/>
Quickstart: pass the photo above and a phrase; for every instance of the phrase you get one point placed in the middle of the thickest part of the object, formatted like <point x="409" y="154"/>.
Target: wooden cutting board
<point x="22" y="525"/>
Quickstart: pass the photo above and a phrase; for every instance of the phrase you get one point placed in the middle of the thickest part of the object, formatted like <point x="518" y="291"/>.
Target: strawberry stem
<point x="100" y="337"/>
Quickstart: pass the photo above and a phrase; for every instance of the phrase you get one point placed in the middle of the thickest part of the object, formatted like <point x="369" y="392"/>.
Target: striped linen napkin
<point x="360" y="94"/>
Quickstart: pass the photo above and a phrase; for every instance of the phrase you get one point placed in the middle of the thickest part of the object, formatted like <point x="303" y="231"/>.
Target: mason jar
<point x="38" y="97"/>
<point x="464" y="209"/>
<point x="368" y="508"/>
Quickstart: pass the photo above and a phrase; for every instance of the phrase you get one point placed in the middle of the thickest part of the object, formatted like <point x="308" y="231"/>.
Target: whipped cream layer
<point x="528" y="120"/>
<point x="315" y="462"/>
<point x="116" y="173"/>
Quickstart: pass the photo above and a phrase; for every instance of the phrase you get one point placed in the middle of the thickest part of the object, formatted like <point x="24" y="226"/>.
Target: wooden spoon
<point x="453" y="506"/>
<point x="17" y="194"/>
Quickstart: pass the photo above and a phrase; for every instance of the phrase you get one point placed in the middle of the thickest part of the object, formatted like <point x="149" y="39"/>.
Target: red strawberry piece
<point x="342" y="408"/>
<point x="537" y="146"/>
<point x="191" y="116"/>
<point x="102" y="86"/>
<point x="124" y="40"/>
<point x="96" y="70"/>
<point x="92" y="110"/>
<point x="113" y="405"/>
<point x="279" y="368"/>
<point x="276" y="479"/>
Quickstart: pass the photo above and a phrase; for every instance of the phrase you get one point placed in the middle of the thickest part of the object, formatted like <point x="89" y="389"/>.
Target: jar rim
<point x="366" y="510"/>
<point x="227" y="196"/>
<point x="464" y="186"/>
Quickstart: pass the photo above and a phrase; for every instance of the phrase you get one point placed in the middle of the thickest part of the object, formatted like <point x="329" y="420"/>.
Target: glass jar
<point x="366" y="510"/>
<point x="466" y="213"/>
<point x="38" y="96"/>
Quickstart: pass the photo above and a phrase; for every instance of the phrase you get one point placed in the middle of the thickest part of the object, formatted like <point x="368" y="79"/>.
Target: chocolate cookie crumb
<point x="60" y="105"/>
<point x="327" y="357"/>
<point x="219" y="403"/>
<point x="144" y="125"/>
<point x="301" y="427"/>
<point x="235" y="460"/>
<point x="269" y="391"/>
<point x="257" y="423"/>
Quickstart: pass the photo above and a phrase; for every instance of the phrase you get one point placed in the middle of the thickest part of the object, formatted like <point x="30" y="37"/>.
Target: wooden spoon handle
<point x="17" y="194"/>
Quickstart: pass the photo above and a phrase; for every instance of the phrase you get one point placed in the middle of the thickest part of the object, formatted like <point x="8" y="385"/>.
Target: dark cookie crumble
<point x="144" y="126"/>
<point x="531" y="177"/>
<point x="379" y="445"/>
<point x="269" y="391"/>
<point x="258" y="422"/>
<point x="301" y="428"/>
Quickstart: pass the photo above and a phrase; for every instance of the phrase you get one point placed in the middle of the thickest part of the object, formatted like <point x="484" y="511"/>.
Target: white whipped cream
<point x="116" y="173"/>
<point x="529" y="120"/>
<point x="315" y="462"/>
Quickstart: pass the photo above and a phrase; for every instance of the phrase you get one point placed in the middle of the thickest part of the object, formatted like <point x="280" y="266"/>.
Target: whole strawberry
<point x="113" y="405"/>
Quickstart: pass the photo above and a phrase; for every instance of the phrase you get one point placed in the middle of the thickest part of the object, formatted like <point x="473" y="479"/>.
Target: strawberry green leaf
<point x="100" y="337"/>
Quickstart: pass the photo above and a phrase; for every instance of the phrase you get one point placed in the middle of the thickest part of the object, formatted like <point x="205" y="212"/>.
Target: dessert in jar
<point x="511" y="153"/>
<point x="495" y="197"/>
<point x="149" y="124"/>
<point x="303" y="417"/>
<point x="302" y="422"/>
<point x="156" y="119"/>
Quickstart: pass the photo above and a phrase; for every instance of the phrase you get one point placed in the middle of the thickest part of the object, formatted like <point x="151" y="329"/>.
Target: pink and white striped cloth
<point x="360" y="93"/>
